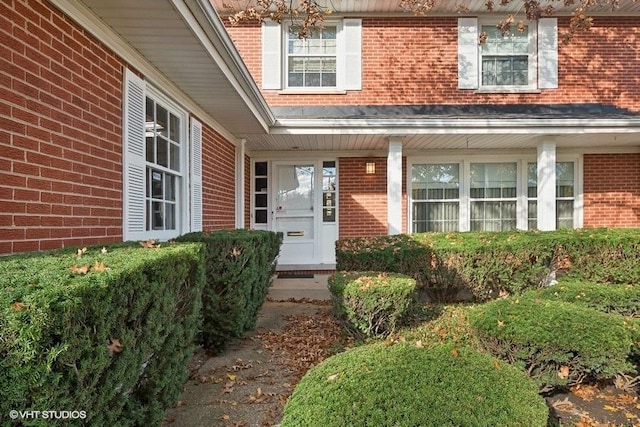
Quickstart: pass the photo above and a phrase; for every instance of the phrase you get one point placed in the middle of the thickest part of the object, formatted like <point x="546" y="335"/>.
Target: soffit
<point x="366" y="144"/>
<point x="442" y="7"/>
<point x="178" y="38"/>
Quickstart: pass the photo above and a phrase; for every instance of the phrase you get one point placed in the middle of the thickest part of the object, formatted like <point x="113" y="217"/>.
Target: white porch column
<point x="547" y="185"/>
<point x="240" y="152"/>
<point x="394" y="186"/>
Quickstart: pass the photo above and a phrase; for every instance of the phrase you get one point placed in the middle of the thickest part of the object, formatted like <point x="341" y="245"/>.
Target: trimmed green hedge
<point x="483" y="264"/>
<point x="557" y="343"/>
<point x="403" y="385"/>
<point x="112" y="341"/>
<point x="239" y="268"/>
<point x="608" y="298"/>
<point x="373" y="304"/>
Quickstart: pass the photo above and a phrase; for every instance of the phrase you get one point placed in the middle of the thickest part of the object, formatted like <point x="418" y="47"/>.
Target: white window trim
<point x="521" y="197"/>
<point x="340" y="62"/>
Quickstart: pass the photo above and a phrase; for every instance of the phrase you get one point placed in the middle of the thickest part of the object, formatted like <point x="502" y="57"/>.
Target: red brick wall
<point x="363" y="198"/>
<point x="218" y="181"/>
<point x="612" y="190"/>
<point x="61" y="137"/>
<point x="60" y="132"/>
<point x="412" y="60"/>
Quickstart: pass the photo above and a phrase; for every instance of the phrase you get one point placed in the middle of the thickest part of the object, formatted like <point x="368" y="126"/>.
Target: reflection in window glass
<point x="162" y="153"/>
<point x="505" y="59"/>
<point x="329" y="183"/>
<point x="311" y="62"/>
<point x="260" y="201"/>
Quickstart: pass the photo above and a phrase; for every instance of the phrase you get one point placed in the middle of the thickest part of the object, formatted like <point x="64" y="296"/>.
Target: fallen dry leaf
<point x="151" y="243"/>
<point x="100" y="266"/>
<point x="114" y="346"/>
<point x="75" y="269"/>
<point x="332" y="377"/>
<point x="228" y="387"/>
<point x="563" y="372"/>
<point x="585" y="392"/>
<point x="18" y="306"/>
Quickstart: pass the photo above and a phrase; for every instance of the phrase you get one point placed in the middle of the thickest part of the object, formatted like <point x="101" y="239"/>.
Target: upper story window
<point x="519" y="61"/>
<point x="329" y="60"/>
<point x="506" y="60"/>
<point x="311" y="62"/>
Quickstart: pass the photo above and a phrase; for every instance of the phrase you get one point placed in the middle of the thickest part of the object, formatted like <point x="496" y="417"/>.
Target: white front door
<point x="294" y="211"/>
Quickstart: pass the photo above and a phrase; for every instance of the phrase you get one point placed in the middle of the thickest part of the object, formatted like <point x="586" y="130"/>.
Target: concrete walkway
<point x="299" y="288"/>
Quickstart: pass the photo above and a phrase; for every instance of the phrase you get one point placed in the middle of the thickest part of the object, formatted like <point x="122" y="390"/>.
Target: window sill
<point x="507" y="90"/>
<point x="312" y="92"/>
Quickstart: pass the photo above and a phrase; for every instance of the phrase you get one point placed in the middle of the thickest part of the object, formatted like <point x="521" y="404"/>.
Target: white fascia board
<point x="455" y="126"/>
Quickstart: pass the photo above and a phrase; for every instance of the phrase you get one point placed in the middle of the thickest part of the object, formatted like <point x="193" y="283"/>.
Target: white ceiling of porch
<point x="366" y="144"/>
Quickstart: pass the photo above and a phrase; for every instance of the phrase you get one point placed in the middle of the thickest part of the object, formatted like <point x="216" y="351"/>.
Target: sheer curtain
<point x="493" y="196"/>
<point x="436" y="197"/>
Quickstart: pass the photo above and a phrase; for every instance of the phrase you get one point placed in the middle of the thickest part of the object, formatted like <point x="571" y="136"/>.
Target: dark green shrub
<point x="113" y="341"/>
<point x="557" y="343"/>
<point x="373" y="304"/>
<point x="239" y="268"/>
<point x="403" y="385"/>
<point x="608" y="298"/>
<point x="484" y="265"/>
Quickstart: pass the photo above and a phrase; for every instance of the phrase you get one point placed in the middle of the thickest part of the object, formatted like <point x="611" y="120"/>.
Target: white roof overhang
<point x="183" y="47"/>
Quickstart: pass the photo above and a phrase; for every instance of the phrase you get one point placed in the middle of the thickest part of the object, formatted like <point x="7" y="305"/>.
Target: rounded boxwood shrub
<point x="556" y="342"/>
<point x="404" y="385"/>
<point x="373" y="304"/>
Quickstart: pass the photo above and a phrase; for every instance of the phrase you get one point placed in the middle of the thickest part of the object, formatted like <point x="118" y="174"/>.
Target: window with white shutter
<point x="524" y="59"/>
<point x="155" y="144"/>
<point x="330" y="59"/>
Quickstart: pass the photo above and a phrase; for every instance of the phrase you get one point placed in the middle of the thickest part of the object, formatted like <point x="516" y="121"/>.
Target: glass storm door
<point x="293" y="211"/>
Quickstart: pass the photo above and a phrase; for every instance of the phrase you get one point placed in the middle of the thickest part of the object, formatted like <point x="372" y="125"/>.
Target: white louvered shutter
<point x="271" y="55"/>
<point x="196" y="175"/>
<point x="548" y="53"/>
<point x="353" y="53"/>
<point x="468" y="53"/>
<point x="134" y="166"/>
